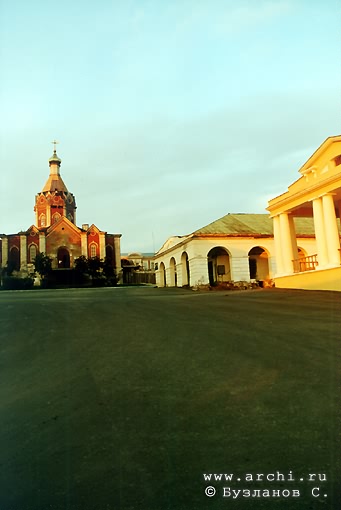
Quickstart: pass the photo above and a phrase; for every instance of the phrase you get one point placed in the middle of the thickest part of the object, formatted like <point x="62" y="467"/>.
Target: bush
<point x="15" y="283"/>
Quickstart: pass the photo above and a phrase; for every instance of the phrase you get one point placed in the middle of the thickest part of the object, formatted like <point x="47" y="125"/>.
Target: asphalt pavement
<point x="140" y="398"/>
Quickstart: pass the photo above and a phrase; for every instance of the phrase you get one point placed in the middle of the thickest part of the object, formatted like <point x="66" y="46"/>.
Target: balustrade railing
<point x="308" y="263"/>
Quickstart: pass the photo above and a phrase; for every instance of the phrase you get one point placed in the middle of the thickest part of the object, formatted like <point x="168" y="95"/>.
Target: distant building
<point x="55" y="232"/>
<point x="138" y="267"/>
<point x="141" y="261"/>
<point x="237" y="247"/>
<point x="315" y="196"/>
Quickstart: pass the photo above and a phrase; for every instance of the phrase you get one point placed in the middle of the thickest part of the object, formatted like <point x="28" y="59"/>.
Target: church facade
<point x="55" y="232"/>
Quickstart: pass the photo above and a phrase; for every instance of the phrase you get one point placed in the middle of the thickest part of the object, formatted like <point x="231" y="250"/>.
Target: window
<point x="42" y="220"/>
<point x="93" y="250"/>
<point x="33" y="252"/>
<point x="14" y="258"/>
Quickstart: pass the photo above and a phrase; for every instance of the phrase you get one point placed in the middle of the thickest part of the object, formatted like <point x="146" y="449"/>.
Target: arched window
<point x="93" y="250"/>
<point x="55" y="217"/>
<point x="258" y="263"/>
<point x="42" y="220"/>
<point x="32" y="253"/>
<point x="63" y="257"/>
<point x="219" y="269"/>
<point x="172" y="271"/>
<point x="14" y="259"/>
<point x="162" y="275"/>
<point x="109" y="252"/>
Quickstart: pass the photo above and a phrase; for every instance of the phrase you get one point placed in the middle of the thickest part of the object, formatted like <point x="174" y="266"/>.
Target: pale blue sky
<point x="169" y="113"/>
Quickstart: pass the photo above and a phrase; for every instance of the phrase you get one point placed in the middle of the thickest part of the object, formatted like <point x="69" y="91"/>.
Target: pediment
<point x="326" y="158"/>
<point x="171" y="242"/>
<point x="321" y="174"/>
<point x="63" y="222"/>
<point x="32" y="228"/>
<point x="93" y="228"/>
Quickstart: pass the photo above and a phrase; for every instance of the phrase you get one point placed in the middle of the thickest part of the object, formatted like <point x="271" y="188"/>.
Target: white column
<point x="42" y="243"/>
<point x="293" y="237"/>
<point x="320" y="235"/>
<point x="179" y="275"/>
<point x="198" y="268"/>
<point x="171" y="276"/>
<point x="102" y="246"/>
<point x="117" y="255"/>
<point x="331" y="230"/>
<point x="278" y="246"/>
<point x="48" y="215"/>
<point x="239" y="269"/>
<point x="84" y="244"/>
<point x="286" y="243"/>
<point x="272" y="267"/>
<point x="159" y="278"/>
<point x="168" y="277"/>
<point x="4" y="251"/>
<point x="23" y="251"/>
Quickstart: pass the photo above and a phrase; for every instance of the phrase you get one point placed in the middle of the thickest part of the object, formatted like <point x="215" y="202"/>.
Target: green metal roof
<point x="251" y="224"/>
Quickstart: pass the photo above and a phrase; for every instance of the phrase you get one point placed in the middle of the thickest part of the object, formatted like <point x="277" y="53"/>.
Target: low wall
<point x="323" y="279"/>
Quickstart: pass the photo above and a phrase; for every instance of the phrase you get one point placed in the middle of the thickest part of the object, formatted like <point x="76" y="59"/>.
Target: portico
<point x="316" y="194"/>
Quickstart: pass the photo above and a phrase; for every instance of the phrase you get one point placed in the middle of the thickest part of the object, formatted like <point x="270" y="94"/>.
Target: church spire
<point x="54" y="201"/>
<point x="54" y="182"/>
<point x="54" y="161"/>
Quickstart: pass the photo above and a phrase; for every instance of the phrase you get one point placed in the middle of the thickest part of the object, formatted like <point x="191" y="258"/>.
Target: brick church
<point x="55" y="232"/>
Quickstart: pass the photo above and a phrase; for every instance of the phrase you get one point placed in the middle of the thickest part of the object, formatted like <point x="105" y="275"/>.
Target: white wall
<point x="238" y="248"/>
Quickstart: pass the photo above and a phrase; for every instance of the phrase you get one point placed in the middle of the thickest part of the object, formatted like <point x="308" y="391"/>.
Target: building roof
<point x="250" y="225"/>
<point x="239" y="224"/>
<point x="54" y="183"/>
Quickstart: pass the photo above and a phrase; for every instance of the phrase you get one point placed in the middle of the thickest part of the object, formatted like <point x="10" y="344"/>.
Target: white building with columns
<point x="234" y="248"/>
<point x="315" y="195"/>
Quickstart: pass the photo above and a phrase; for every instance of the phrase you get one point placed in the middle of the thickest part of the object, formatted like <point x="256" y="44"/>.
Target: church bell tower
<point x="54" y="201"/>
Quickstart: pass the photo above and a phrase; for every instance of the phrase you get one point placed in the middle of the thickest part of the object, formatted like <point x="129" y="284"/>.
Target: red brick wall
<point x="93" y="237"/>
<point x="63" y="235"/>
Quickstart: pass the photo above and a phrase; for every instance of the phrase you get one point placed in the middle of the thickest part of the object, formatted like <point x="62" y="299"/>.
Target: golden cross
<point x="54" y="143"/>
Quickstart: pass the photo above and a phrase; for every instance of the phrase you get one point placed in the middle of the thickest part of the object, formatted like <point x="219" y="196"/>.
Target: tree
<point x="81" y="265"/>
<point x="109" y="272"/>
<point x="9" y="268"/>
<point x="95" y="265"/>
<point x="43" y="265"/>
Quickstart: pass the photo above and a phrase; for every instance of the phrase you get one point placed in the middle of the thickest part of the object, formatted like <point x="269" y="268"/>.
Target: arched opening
<point x="63" y="258"/>
<point x="301" y="253"/>
<point x="42" y="219"/>
<point x="258" y="263"/>
<point x="304" y="262"/>
<point x="162" y="275"/>
<point x="172" y="272"/>
<point x="32" y="253"/>
<point x="186" y="277"/>
<point x="14" y="259"/>
<point x="56" y="217"/>
<point x="219" y="269"/>
<point x="93" y="250"/>
<point x="109" y="252"/>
